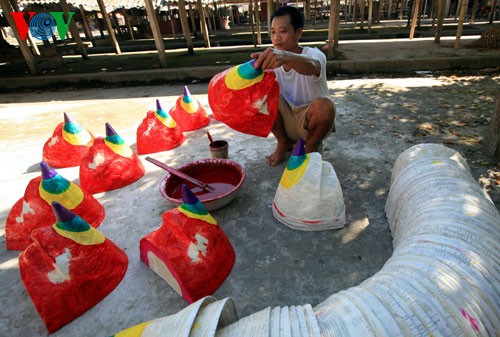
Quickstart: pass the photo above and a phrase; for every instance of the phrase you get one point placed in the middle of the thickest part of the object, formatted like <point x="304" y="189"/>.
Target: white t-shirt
<point x="300" y="89"/>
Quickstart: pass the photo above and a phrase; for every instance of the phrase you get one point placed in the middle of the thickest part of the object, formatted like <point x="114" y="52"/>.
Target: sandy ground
<point x="378" y="118"/>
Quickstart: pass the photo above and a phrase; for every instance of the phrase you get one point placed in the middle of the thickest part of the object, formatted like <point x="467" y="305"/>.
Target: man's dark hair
<point x="296" y="19"/>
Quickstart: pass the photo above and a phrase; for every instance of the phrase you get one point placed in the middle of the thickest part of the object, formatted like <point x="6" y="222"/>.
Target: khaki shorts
<point x="294" y="119"/>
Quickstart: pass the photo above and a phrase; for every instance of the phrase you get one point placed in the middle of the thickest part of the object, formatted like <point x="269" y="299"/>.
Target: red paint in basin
<point x="224" y="175"/>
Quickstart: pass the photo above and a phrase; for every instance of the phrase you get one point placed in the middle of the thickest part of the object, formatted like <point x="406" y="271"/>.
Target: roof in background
<point x="91" y="5"/>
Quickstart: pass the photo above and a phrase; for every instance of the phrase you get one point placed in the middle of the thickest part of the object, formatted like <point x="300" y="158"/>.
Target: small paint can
<point x="219" y="149"/>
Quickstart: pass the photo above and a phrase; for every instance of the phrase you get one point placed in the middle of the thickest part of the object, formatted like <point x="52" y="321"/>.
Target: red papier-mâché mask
<point x="245" y="99"/>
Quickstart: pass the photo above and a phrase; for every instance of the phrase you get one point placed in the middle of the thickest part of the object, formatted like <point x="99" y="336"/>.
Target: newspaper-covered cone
<point x="309" y="196"/>
<point x="178" y="325"/>
<point x="189" y="113"/>
<point x="244" y="98"/>
<point x="189" y="251"/>
<point x="214" y="316"/>
<point x="158" y="132"/>
<point x="69" y="268"/>
<point x="67" y="145"/>
<point x="34" y="209"/>
<point x="109" y="164"/>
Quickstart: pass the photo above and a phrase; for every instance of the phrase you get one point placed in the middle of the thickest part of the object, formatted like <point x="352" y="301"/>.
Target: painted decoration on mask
<point x="68" y="144"/>
<point x="109" y="164"/>
<point x="34" y="209"/>
<point x="244" y="98"/>
<point x="309" y="196"/>
<point x="188" y="112"/>
<point x="158" y="132"/>
<point x="69" y="268"/>
<point x="189" y="251"/>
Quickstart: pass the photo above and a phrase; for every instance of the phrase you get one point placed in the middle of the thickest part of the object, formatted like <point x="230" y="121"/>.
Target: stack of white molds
<point x="444" y="276"/>
<point x="293" y="321"/>
<point x="210" y="318"/>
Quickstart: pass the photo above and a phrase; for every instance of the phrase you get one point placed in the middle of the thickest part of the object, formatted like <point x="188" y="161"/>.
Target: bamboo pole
<point x="109" y="26"/>
<point x="25" y="50"/>
<point x="155" y="27"/>
<point x="269" y="4"/>
<point x="439" y="26"/>
<point x="416" y="6"/>
<point x="474" y="10"/>
<point x="370" y="14"/>
<point x="257" y="22"/>
<point x="492" y="11"/>
<point x="362" y="13"/>
<point x="86" y="27"/>
<point x="74" y="30"/>
<point x="192" y="18"/>
<point x="333" y="28"/>
<point x="203" y="24"/>
<point x="30" y="39"/>
<point x="127" y="23"/>
<point x="250" y="14"/>
<point x="463" y="11"/>
<point x="185" y="26"/>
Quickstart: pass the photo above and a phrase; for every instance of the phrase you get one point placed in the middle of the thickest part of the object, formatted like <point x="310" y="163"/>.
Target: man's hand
<point x="273" y="58"/>
<point x="269" y="59"/>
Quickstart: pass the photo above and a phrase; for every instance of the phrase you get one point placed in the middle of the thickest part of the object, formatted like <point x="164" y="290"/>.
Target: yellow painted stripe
<point x="292" y="177"/>
<point x="70" y="198"/>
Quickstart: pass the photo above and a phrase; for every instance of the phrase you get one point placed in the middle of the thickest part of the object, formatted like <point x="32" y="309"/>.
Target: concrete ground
<point x="378" y="118"/>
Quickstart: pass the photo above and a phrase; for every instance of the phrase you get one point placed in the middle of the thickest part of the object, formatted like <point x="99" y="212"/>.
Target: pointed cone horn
<point x="252" y="63"/>
<point x="298" y="149"/>
<point x="62" y="213"/>
<point x="47" y="171"/>
<point x="186" y="91"/>
<point x="158" y="105"/>
<point x="188" y="197"/>
<point x="110" y="132"/>
<point x="67" y="118"/>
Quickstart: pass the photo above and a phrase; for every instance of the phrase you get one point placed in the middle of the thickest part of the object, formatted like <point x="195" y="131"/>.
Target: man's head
<point x="286" y="29"/>
<point x="296" y="19"/>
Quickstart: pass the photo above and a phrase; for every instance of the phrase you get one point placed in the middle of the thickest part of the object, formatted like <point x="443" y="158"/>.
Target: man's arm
<point x="273" y="58"/>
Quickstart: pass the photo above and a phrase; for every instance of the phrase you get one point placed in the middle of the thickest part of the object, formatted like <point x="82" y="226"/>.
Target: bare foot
<point x="279" y="153"/>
